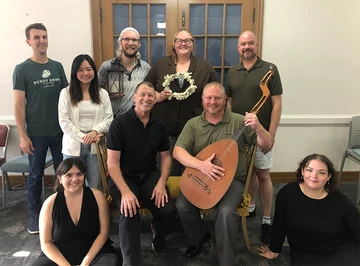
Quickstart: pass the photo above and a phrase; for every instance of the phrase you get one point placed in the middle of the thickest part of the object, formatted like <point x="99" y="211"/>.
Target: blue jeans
<point x="92" y="176"/>
<point x="36" y="167"/>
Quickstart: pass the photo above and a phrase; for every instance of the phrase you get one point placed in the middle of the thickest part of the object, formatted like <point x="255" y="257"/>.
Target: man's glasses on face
<point x="133" y="40"/>
<point x="186" y="41"/>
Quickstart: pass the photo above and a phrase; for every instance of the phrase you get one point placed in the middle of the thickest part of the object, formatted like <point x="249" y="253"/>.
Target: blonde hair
<point x="214" y="84"/>
<point x="173" y="52"/>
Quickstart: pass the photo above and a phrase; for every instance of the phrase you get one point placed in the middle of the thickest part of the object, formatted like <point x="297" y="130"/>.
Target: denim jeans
<point x="36" y="167"/>
<point x="92" y="177"/>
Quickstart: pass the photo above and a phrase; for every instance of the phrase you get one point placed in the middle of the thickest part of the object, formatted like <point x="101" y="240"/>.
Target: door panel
<point x="150" y="18"/>
<point x="216" y="28"/>
<point x="215" y="25"/>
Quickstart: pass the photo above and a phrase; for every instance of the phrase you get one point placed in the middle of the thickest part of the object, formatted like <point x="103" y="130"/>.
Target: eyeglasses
<point x="132" y="39"/>
<point x="186" y="41"/>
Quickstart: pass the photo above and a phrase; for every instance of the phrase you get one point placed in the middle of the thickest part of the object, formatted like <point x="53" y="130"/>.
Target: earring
<point x="302" y="177"/>
<point x="328" y="182"/>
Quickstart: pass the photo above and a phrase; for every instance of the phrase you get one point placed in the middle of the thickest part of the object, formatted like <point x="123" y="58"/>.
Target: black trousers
<point x="142" y="185"/>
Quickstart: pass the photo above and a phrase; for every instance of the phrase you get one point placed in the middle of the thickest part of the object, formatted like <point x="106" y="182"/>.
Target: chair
<point x="19" y="164"/>
<point x="102" y="158"/>
<point x="173" y="184"/>
<point x="4" y="135"/>
<point x="353" y="149"/>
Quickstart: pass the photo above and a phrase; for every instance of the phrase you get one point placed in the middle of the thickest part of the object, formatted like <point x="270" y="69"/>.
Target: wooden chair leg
<point x="245" y="232"/>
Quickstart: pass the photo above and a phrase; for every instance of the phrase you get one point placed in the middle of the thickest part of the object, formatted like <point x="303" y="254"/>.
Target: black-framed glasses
<point x="131" y="39"/>
<point x="186" y="41"/>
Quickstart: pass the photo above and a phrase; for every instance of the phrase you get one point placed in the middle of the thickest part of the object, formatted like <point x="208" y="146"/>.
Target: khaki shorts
<point x="263" y="161"/>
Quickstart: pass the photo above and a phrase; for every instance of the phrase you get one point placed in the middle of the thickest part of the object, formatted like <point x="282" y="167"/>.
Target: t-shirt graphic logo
<point x="46" y="74"/>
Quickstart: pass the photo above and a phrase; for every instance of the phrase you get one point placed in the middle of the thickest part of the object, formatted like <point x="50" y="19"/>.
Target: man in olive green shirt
<point x="215" y="123"/>
<point x="243" y="93"/>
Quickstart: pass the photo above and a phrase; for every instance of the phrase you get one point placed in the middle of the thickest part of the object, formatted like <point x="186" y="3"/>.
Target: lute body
<point x="200" y="189"/>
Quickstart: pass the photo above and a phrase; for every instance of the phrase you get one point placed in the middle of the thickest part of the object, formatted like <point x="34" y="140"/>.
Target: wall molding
<point x="315" y="119"/>
<point x="8" y="119"/>
<point x="286" y="119"/>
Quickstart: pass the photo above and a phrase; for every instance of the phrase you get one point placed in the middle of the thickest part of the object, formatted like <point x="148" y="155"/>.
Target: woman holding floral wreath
<point x="179" y="80"/>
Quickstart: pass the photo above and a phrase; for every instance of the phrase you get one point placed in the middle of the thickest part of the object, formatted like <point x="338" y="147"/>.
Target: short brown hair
<point x="37" y="26"/>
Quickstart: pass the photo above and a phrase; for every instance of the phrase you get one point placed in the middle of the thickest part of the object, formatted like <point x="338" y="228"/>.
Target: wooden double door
<point x="216" y="26"/>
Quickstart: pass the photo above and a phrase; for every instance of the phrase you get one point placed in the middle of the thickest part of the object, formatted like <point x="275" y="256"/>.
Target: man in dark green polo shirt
<point x="243" y="93"/>
<point x="215" y="123"/>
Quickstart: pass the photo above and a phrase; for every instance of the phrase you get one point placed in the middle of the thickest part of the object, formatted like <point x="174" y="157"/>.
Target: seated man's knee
<point x="130" y="219"/>
<point x="182" y="204"/>
<point x="179" y="204"/>
<point x="168" y="210"/>
<point x="227" y="212"/>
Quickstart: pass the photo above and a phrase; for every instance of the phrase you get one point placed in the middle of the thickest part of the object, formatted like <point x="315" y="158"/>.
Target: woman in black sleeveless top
<point x="74" y="222"/>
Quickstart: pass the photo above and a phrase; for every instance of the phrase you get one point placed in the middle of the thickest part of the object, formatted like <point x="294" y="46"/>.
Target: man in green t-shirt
<point x="37" y="84"/>
<point x="243" y="93"/>
<point x="215" y="123"/>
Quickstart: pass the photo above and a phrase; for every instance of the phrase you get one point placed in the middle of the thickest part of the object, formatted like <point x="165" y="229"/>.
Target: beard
<point x="250" y="56"/>
<point x="214" y="112"/>
<point x="130" y="55"/>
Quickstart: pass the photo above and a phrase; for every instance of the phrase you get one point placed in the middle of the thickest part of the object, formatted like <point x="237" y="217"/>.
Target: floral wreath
<point x="179" y="95"/>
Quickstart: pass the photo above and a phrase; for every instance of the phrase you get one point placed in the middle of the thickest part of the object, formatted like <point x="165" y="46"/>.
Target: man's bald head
<point x="248" y="34"/>
<point x="248" y="46"/>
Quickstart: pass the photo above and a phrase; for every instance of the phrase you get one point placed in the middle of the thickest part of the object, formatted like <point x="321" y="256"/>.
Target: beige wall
<point x="314" y="43"/>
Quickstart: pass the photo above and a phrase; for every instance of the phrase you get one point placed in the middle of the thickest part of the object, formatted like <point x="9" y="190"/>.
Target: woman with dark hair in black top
<point x="321" y="224"/>
<point x="74" y="222"/>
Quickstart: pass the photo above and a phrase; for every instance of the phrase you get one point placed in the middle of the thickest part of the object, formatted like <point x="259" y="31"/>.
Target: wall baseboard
<point x="276" y="177"/>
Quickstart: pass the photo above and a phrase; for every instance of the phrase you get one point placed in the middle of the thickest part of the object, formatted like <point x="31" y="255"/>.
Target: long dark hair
<point x="76" y="94"/>
<point x="333" y="181"/>
<point x="64" y="167"/>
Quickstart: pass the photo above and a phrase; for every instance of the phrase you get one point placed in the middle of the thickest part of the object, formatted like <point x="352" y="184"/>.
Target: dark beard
<point x="129" y="55"/>
<point x="249" y="57"/>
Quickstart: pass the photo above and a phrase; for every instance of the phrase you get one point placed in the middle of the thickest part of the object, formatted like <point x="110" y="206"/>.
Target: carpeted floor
<point x="18" y="248"/>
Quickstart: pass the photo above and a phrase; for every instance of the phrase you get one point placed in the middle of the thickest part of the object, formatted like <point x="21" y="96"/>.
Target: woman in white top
<point x="84" y="113"/>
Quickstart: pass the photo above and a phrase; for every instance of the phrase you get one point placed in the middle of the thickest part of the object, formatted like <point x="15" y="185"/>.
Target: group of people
<point x="157" y="119"/>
